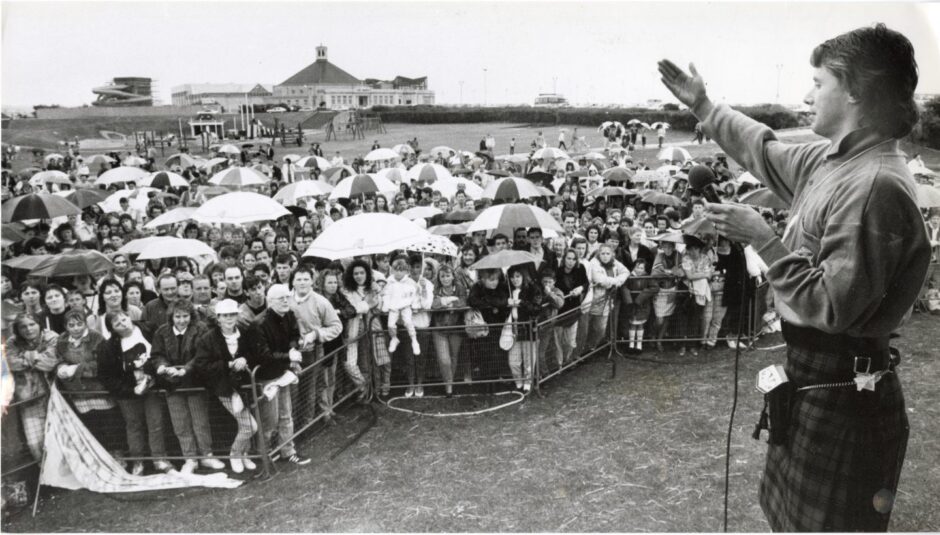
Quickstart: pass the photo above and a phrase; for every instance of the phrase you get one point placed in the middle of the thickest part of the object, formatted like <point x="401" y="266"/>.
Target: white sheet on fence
<point x="76" y="460"/>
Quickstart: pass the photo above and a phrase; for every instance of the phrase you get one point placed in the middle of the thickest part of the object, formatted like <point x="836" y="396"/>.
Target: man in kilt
<point x="845" y="275"/>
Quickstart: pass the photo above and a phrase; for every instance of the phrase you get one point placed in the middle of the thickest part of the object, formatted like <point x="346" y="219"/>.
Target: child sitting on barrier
<point x="397" y="299"/>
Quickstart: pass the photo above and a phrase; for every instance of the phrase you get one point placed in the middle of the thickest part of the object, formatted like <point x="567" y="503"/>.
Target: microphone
<point x="702" y="179"/>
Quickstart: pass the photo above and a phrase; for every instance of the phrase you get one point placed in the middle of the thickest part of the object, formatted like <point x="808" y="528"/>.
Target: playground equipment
<point x="355" y="124"/>
<point x="127" y="91"/>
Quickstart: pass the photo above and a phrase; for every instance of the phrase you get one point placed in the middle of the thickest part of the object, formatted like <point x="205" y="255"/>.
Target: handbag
<point x="475" y="325"/>
<point x="507" y="337"/>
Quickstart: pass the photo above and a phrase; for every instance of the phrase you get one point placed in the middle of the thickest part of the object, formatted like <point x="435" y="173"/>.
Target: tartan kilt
<point x="842" y="448"/>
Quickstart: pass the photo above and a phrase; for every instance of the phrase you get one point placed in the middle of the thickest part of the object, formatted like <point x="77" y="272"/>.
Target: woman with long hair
<point x="359" y="291"/>
<point x="112" y="299"/>
<point x="56" y="307"/>
<point x="607" y="275"/>
<point x="573" y="282"/>
<point x="31" y="355"/>
<point x="525" y="303"/>
<point x="450" y="293"/>
<point x="31" y="298"/>
<point x="468" y="256"/>
<point x="329" y="286"/>
<point x="666" y="268"/>
<point x="697" y="267"/>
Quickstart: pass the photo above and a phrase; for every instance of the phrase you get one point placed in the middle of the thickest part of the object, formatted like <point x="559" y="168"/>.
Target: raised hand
<point x="690" y="90"/>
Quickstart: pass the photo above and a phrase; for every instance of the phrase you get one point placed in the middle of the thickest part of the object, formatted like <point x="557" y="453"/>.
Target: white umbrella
<point x="382" y="154"/>
<point x="435" y="244"/>
<point x="514" y="158"/>
<point x="176" y="215"/>
<point x="238" y="176"/>
<point x="229" y="149"/>
<point x="450" y="229"/>
<point x="394" y="174"/>
<point x="355" y="186"/>
<point x="420" y="212"/>
<point x="550" y="153"/>
<point x="137" y="199"/>
<point x="138" y="245"/>
<point x="210" y="164"/>
<point x="508" y="217"/>
<point x="669" y="154"/>
<point x="121" y="175"/>
<point x="175" y="247"/>
<point x="239" y="207"/>
<point x="49" y="177"/>
<point x="449" y="187"/>
<point x="366" y="234"/>
<point x="403" y="149"/>
<point x="428" y="172"/>
<point x="441" y="150"/>
<point x="134" y="161"/>
<point x="162" y="179"/>
<point x="289" y="195"/>
<point x="54" y="156"/>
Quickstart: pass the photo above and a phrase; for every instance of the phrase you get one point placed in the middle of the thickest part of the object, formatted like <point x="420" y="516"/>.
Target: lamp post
<point x="779" y="68"/>
<point x="461" y="92"/>
<point x="554" y="85"/>
<point x="484" y="87"/>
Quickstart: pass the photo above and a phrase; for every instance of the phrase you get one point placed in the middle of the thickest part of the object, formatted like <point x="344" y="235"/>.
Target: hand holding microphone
<point x="739" y="223"/>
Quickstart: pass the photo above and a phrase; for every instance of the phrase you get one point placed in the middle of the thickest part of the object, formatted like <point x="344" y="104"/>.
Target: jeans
<point x="447" y="346"/>
<point x="276" y="419"/>
<point x="144" y="415"/>
<point x="521" y="359"/>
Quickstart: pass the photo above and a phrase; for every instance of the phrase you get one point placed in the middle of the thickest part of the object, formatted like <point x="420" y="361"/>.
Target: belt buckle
<point x="867" y="361"/>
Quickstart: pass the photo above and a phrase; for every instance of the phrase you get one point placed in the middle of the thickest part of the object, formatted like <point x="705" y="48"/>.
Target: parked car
<point x="276" y="109"/>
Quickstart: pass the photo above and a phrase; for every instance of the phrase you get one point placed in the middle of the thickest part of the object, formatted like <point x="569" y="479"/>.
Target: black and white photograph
<point x="470" y="266"/>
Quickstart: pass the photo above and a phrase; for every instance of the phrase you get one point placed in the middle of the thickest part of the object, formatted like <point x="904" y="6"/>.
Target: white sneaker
<point x="237" y="465"/>
<point x="249" y="464"/>
<point x="162" y="466"/>
<point x="393" y="345"/>
<point x="415" y="348"/>
<point x="526" y="387"/>
<point x="419" y="392"/>
<point x="410" y="392"/>
<point x="213" y="464"/>
<point x="137" y="468"/>
<point x="733" y="344"/>
<point x="189" y="466"/>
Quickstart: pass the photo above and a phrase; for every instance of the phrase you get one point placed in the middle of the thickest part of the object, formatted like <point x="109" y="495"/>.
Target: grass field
<point x="642" y="451"/>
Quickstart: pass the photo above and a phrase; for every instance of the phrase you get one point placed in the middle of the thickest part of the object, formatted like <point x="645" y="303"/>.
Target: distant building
<point x="228" y="96"/>
<point x="322" y="84"/>
<point x="923" y="98"/>
<point x="125" y="91"/>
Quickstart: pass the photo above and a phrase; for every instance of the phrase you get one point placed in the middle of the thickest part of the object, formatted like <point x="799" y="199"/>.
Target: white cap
<point x="226" y="306"/>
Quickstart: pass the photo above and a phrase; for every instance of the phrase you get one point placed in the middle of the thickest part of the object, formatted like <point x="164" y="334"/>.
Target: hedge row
<point x="771" y="115"/>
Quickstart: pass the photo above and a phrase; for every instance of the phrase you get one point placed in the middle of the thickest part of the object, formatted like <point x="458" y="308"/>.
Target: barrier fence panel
<point x="16" y="453"/>
<point x="930" y="293"/>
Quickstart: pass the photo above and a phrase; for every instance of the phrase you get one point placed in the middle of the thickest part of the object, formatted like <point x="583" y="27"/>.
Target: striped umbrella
<point x="238" y="177"/>
<point x="448" y="188"/>
<point x="73" y="263"/>
<point x="37" y="206"/>
<point x="228" y="149"/>
<point x="358" y="185"/>
<point x="313" y="161"/>
<point x="11" y="233"/>
<point x="549" y="153"/>
<point x="428" y="173"/>
<point x="164" y="179"/>
<point x="503" y="259"/>
<point x="334" y="174"/>
<point x="618" y="174"/>
<point x="26" y="262"/>
<point x="461" y="216"/>
<point x="184" y="161"/>
<point x="508" y="217"/>
<point x="302" y="189"/>
<point x="121" y="175"/>
<point x="511" y="189"/>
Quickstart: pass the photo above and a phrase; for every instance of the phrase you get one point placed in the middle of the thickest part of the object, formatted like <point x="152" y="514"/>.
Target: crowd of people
<point x="176" y="331"/>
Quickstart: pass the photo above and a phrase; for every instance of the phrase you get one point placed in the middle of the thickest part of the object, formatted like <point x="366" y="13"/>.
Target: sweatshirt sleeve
<point x="330" y="325"/>
<point x="780" y="166"/>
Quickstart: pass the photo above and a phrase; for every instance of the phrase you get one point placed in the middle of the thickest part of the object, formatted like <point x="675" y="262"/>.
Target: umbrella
<point x="594" y="156"/>
<point x="461" y="171"/>
<point x="514" y="158"/>
<point x="85" y="197"/>
<point x="49" y="177"/>
<point x="262" y="168"/>
<point x="747" y="178"/>
<point x="239" y="207"/>
<point x="174" y="248"/>
<point x="366" y="234"/>
<point x="134" y="161"/>
<point x="435" y="244"/>
<point x="292" y="157"/>
<point x="767" y="199"/>
<point x="228" y="149"/>
<point x="511" y="189"/>
<point x="185" y="161"/>
<point x="238" y="177"/>
<point x="214" y="162"/>
<point x="927" y="196"/>
<point x="674" y="237"/>
<point x="487" y="155"/>
<point x="420" y="212"/>
<point x="176" y="215"/>
<point x="618" y="174"/>
<point x="382" y="154"/>
<point x="428" y="173"/>
<point x="121" y="175"/>
<point x="670" y="154"/>
<point x="541" y="177"/>
<point x="699" y="228"/>
<point x="512" y="216"/>
<point x="450" y="229"/>
<point x="449" y="187"/>
<point x="302" y="189"/>
<point x="461" y="216"/>
<point x="138" y="245"/>
<point x="310" y="162"/>
<point x="355" y="186"/>
<point x="393" y="174"/>
<point x="11" y="234"/>
<point x="549" y="153"/>
<point x="659" y="198"/>
<point x="632" y="122"/>
<point x="137" y="198"/>
<point x="37" y="206"/>
<point x="646" y="175"/>
<point x="54" y="156"/>
<point x="28" y="172"/>
<point x="334" y="174"/>
<point x="611" y="191"/>
<point x="72" y="263"/>
<point x="654" y="126"/>
<point x="403" y="148"/>
<point x="499" y="173"/>
<point x="164" y="179"/>
<point x="503" y="259"/>
<point x="27" y="262"/>
<point x="441" y="151"/>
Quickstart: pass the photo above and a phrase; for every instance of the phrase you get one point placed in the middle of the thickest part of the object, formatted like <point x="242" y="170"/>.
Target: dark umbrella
<point x="541" y="177"/>
<point x="499" y="173"/>
<point x="11" y="233"/>
<point x="297" y="211"/>
<point x="26" y="261"/>
<point x="462" y="171"/>
<point x="85" y="197"/>
<point x="618" y="174"/>
<point x="461" y="215"/>
<point x="37" y="206"/>
<point x="579" y="173"/>
<point x="659" y="198"/>
<point x="72" y="263"/>
<point x="504" y="258"/>
<point x="486" y="155"/>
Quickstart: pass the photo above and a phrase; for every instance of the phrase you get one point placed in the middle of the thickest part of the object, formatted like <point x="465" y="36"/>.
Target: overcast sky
<point x="602" y="52"/>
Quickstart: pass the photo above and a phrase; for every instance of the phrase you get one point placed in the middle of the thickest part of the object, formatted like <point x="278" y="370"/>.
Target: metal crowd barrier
<point x="15" y="453"/>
